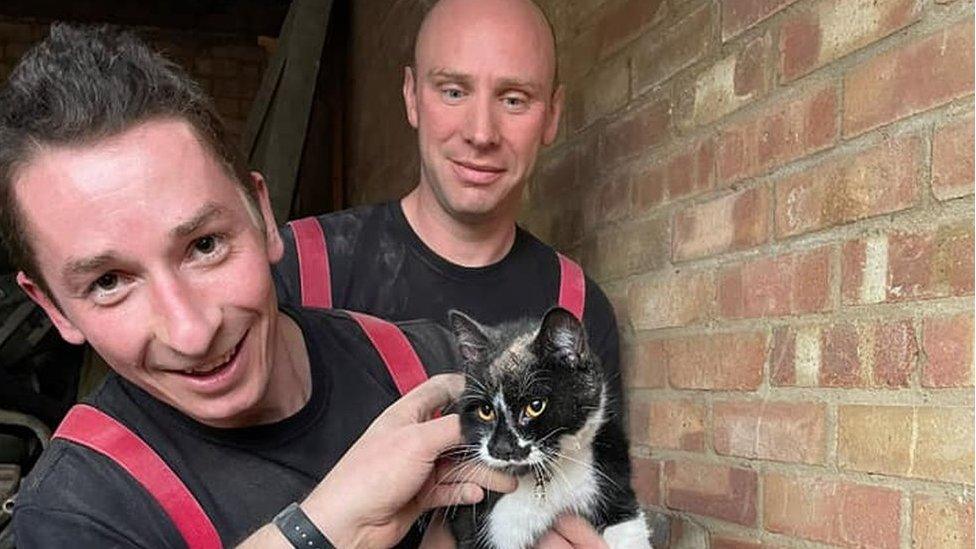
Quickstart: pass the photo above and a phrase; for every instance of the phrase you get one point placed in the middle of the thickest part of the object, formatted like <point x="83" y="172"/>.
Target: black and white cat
<point x="535" y="405"/>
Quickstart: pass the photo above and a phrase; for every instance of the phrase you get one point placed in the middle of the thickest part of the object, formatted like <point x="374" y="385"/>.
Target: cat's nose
<point x="505" y="448"/>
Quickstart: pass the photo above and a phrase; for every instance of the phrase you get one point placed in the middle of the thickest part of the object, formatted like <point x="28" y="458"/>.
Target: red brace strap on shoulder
<point x="572" y="286"/>
<point x="313" y="263"/>
<point x="394" y="348"/>
<point x="102" y="433"/>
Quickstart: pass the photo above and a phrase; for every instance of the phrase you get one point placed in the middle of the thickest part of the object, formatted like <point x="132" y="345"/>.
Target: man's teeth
<point x="204" y="368"/>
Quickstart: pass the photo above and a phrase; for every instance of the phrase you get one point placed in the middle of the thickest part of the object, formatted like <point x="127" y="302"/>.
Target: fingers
<point x="447" y="495"/>
<point x="578" y="532"/>
<point x="552" y="540"/>
<point x="426" y="399"/>
<point x="449" y="472"/>
<point x="431" y="438"/>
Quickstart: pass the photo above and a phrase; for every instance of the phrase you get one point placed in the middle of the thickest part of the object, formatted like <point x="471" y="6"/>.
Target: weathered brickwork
<point x="791" y="182"/>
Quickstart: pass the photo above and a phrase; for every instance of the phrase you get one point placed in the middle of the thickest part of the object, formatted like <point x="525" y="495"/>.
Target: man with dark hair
<point x="138" y="230"/>
<point x="483" y="97"/>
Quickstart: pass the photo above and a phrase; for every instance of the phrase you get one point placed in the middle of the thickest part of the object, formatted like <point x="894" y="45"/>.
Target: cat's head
<point x="528" y="385"/>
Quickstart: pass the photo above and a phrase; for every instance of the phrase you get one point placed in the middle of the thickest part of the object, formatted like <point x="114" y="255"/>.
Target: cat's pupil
<point x="535" y="408"/>
<point x="486" y="412"/>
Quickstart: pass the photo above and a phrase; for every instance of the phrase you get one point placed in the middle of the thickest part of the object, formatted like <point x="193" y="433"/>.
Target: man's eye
<point x="106" y="283"/>
<point x="514" y="102"/>
<point x="206" y="244"/>
<point x="452" y="94"/>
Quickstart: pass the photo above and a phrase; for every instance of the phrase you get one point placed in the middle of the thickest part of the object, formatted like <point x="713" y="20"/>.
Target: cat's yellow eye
<point x="486" y="412"/>
<point x="535" y="408"/>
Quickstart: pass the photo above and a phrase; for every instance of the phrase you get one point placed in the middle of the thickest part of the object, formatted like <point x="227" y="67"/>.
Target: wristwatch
<point x="295" y="525"/>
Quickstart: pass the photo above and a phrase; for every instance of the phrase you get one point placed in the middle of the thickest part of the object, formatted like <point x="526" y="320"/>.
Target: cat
<point x="535" y="405"/>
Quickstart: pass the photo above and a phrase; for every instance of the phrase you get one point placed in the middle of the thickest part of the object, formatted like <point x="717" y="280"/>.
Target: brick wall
<point x="229" y="67"/>
<point x="777" y="195"/>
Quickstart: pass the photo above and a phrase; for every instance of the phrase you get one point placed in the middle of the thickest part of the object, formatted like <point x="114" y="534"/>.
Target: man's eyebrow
<point x="448" y="74"/>
<point x="206" y="213"/>
<point x="519" y="83"/>
<point x="85" y="265"/>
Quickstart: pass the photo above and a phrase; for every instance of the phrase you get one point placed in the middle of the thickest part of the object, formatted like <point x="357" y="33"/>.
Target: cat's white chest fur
<point x="520" y="517"/>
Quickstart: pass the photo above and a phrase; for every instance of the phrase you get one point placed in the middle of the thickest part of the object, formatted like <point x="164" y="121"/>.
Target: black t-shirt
<point x="380" y="266"/>
<point x="75" y="497"/>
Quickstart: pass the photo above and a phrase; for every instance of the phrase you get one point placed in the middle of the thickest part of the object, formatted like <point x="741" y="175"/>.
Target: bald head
<point x="494" y="23"/>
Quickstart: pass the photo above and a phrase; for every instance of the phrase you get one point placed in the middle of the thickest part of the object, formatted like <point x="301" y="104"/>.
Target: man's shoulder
<point x="72" y="488"/>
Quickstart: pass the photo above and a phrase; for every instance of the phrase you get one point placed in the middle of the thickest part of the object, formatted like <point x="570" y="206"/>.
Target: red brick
<point x="732" y="82"/>
<point x="647" y="481"/>
<point x="739" y="15"/>
<point x="644" y="365"/>
<point x="941" y="523"/>
<point x="909" y="266"/>
<point x="895" y="353"/>
<point x="935" y="264"/>
<point x="833" y="28"/>
<point x="673" y="298"/>
<point x="882" y="179"/>
<point x="948" y="344"/>
<point x="611" y="202"/>
<point x="636" y="131"/>
<point x="607" y="90"/>
<point x="622" y="22"/>
<point x="829" y="511"/>
<point x="722" y="542"/>
<point x="716" y="491"/>
<point x="686" y="172"/>
<point x="783" y="360"/>
<point x="677" y="425"/>
<point x="910" y="79"/>
<point x="717" y="361"/>
<point x="660" y="55"/>
<point x="776" y="286"/>
<point x="555" y="176"/>
<point x="952" y="160"/>
<point x="781" y="431"/>
<point x="779" y="133"/>
<point x="638" y="419"/>
<point x="841" y="365"/>
<point x="733" y="222"/>
<point x="638" y="246"/>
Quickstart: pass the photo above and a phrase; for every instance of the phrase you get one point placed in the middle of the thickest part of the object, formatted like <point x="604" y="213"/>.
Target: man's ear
<point x="276" y="249"/>
<point x="65" y="327"/>
<point x="555" y="112"/>
<point x="410" y="95"/>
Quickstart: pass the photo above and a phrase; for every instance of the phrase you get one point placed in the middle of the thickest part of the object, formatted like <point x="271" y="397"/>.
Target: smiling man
<point x="483" y="97"/>
<point x="137" y="229"/>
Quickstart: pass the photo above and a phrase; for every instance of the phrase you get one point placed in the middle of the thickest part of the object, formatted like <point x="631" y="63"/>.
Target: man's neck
<point x="465" y="244"/>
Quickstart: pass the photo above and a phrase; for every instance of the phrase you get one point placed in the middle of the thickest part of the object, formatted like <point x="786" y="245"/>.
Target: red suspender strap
<point x="395" y="350"/>
<point x="313" y="262"/>
<point x="572" y="286"/>
<point x="94" y="429"/>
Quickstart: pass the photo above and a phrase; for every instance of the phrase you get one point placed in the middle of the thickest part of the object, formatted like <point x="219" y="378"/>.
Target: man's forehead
<point x="465" y="35"/>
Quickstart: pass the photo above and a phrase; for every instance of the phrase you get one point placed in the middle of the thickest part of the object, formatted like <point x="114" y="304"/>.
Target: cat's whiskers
<point x="590" y="466"/>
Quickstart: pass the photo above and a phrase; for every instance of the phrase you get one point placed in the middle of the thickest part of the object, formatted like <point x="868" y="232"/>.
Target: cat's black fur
<point x="530" y="361"/>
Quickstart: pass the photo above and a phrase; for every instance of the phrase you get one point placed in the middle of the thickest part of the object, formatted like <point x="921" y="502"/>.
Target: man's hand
<point x="568" y="532"/>
<point x="390" y="475"/>
<point x="572" y="532"/>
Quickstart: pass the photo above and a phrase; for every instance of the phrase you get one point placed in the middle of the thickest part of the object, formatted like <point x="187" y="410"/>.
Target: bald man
<point x="483" y="97"/>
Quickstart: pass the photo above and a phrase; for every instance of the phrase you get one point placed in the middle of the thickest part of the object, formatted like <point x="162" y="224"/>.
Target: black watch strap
<point x="295" y="525"/>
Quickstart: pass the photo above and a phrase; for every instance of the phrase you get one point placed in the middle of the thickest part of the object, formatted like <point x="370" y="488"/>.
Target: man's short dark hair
<point x="83" y="84"/>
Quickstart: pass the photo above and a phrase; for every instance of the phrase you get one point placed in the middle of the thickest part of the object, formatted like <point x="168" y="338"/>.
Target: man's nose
<point x="481" y="124"/>
<point x="184" y="321"/>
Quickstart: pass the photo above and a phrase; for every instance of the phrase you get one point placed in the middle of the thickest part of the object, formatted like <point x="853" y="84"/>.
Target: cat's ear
<point x="562" y="334"/>
<point x="472" y="342"/>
